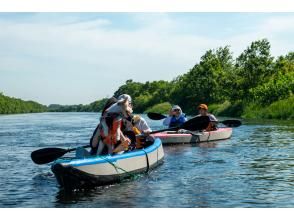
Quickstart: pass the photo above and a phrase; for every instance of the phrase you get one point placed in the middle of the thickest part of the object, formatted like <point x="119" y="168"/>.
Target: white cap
<point x="123" y="97"/>
<point x="176" y="107"/>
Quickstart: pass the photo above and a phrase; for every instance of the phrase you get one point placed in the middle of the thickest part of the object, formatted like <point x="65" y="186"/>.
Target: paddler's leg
<point x="100" y="147"/>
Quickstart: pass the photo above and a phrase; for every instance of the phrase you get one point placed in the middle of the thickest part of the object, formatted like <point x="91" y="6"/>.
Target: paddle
<point x="194" y="124"/>
<point x="155" y="116"/>
<point x="47" y="155"/>
<point x="231" y="123"/>
<point x="228" y="123"/>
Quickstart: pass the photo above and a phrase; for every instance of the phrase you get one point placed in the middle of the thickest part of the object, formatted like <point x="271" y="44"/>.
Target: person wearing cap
<point x="203" y="111"/>
<point x="123" y="106"/>
<point x="176" y="117"/>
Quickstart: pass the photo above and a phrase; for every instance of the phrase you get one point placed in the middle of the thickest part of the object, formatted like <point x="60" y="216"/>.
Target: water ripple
<point x="252" y="169"/>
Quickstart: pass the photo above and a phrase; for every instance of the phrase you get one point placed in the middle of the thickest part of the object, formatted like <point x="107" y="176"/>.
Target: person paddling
<point x="176" y="117"/>
<point x="203" y="111"/>
<point x="109" y="130"/>
<point x="96" y="138"/>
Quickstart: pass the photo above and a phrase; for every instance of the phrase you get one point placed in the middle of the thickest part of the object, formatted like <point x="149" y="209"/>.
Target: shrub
<point x="161" y="108"/>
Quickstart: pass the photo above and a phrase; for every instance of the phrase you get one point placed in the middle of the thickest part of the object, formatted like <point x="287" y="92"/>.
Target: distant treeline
<point x="96" y="106"/>
<point x="9" y="105"/>
<point x="253" y="85"/>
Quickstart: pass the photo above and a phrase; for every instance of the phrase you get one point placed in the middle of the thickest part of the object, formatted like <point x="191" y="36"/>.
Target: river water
<point x="255" y="168"/>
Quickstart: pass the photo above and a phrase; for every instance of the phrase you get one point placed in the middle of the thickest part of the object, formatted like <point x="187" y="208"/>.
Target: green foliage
<point x="278" y="87"/>
<point x="96" y="106"/>
<point x="206" y="82"/>
<point x="282" y="109"/>
<point x="227" y="109"/>
<point x="146" y="94"/>
<point x="254" y="85"/>
<point x="9" y="105"/>
<point x="253" y="67"/>
<point x="162" y="108"/>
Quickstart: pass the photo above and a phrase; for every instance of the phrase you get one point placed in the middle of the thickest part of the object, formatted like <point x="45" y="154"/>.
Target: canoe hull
<point x="104" y="170"/>
<point x="179" y="138"/>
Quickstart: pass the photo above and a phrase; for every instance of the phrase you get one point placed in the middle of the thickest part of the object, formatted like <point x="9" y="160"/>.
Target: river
<point x="255" y="168"/>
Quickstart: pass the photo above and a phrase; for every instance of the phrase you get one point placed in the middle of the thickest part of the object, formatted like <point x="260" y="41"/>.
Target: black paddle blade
<point x="232" y="123"/>
<point x="196" y="124"/>
<point x="47" y="155"/>
<point x="155" y="116"/>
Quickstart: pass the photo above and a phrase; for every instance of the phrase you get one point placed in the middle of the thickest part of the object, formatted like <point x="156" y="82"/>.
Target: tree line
<point x="254" y="84"/>
<point x="9" y="105"/>
<point x="96" y="106"/>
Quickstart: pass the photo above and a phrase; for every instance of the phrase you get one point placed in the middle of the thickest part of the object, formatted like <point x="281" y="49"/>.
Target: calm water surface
<point x="255" y="168"/>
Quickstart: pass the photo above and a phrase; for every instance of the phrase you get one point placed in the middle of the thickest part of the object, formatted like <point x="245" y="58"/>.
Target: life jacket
<point x="110" y="128"/>
<point x="176" y="122"/>
<point x="94" y="141"/>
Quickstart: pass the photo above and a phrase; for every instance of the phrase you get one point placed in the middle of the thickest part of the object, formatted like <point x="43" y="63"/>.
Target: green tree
<point x="253" y="67"/>
<point x="206" y="82"/>
<point x="9" y="105"/>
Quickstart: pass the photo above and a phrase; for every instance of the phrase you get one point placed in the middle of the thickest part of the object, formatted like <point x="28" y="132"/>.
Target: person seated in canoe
<point x="137" y="129"/>
<point x="176" y="117"/>
<point x="203" y="111"/>
<point x="95" y="139"/>
<point x="109" y="130"/>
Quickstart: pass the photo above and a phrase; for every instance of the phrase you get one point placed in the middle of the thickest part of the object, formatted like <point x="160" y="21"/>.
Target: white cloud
<point x="93" y="55"/>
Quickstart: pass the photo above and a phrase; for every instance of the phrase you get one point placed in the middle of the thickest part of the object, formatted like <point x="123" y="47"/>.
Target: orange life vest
<point x="110" y="129"/>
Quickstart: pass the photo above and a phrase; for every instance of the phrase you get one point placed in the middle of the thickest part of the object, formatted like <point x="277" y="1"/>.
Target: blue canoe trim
<point x="108" y="158"/>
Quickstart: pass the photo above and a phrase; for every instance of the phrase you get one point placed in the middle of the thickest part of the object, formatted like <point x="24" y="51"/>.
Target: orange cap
<point x="203" y="106"/>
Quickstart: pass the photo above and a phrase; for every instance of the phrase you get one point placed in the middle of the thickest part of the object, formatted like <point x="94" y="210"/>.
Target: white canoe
<point x="184" y="138"/>
<point x="101" y="170"/>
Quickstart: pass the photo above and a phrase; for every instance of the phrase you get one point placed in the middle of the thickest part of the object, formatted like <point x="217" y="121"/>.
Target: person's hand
<point x="126" y="142"/>
<point x="146" y="133"/>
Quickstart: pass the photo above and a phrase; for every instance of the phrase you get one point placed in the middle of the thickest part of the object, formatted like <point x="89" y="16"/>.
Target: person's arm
<point x="184" y="118"/>
<point x="212" y="118"/>
<point x="166" y="121"/>
<point x="213" y="121"/>
<point x="125" y="140"/>
<point x="144" y="127"/>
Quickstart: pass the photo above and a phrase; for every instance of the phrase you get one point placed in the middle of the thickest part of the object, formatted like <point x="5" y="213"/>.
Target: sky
<point x="77" y="58"/>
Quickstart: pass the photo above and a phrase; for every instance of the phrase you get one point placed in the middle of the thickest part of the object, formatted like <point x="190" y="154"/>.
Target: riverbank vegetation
<point x="253" y="85"/>
<point x="96" y="106"/>
<point x="9" y="105"/>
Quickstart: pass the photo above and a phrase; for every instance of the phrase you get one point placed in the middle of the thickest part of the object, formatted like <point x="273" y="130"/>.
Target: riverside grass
<point x="282" y="109"/>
